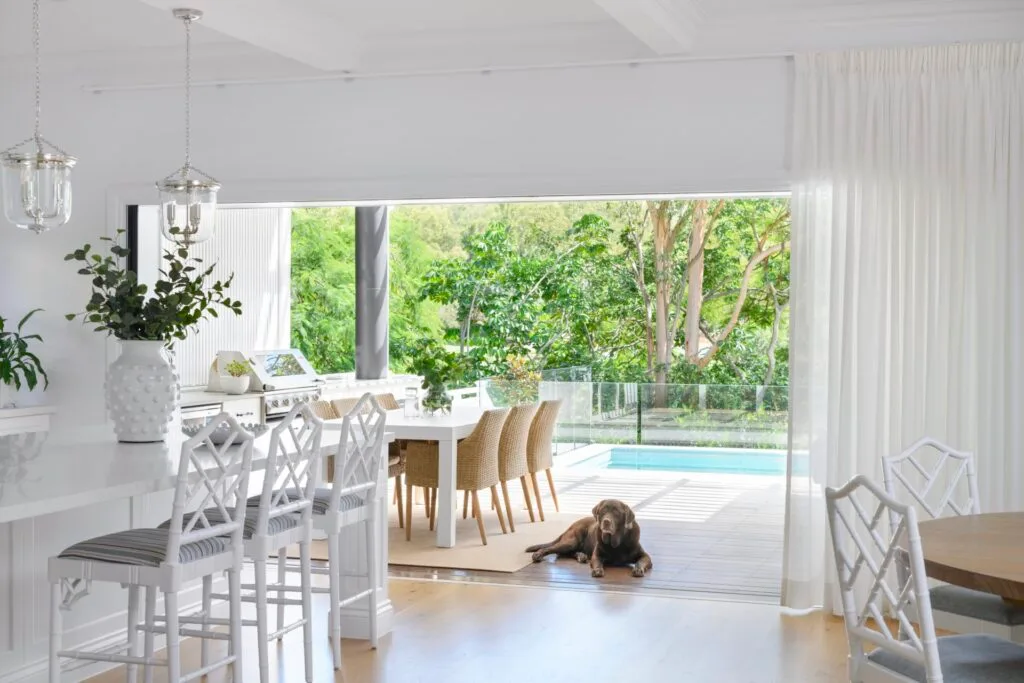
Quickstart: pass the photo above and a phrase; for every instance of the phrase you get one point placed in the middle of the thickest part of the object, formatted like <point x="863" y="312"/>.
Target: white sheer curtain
<point x="908" y="277"/>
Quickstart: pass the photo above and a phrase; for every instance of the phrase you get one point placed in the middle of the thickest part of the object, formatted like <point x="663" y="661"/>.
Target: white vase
<point x="142" y="392"/>
<point x="6" y="396"/>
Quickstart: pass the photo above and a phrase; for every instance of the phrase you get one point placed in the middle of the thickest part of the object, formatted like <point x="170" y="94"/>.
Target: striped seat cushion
<point x="213" y="516"/>
<point x="321" y="501"/>
<point x="141" y="547"/>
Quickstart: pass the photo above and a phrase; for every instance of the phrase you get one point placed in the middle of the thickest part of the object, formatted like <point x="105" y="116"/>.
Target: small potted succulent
<point x="19" y="366"/>
<point x="439" y="367"/>
<point x="237" y="379"/>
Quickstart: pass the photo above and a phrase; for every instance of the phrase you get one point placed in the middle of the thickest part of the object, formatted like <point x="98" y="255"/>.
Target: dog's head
<point x="614" y="520"/>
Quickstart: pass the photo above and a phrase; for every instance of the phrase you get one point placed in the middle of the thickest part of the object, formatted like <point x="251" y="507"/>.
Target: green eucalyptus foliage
<point x="18" y="365"/>
<point x="123" y="307"/>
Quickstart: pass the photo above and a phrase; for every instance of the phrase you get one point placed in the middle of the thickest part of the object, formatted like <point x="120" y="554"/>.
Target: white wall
<point x="691" y="127"/>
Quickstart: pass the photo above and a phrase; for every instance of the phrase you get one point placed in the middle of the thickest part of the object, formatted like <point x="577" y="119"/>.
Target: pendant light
<point x="188" y="197"/>
<point x="37" y="180"/>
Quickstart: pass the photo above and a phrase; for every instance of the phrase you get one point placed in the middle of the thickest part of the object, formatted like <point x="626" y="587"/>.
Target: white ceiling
<point x="281" y="38"/>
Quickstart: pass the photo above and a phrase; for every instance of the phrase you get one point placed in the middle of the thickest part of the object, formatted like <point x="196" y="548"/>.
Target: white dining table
<point x="446" y="430"/>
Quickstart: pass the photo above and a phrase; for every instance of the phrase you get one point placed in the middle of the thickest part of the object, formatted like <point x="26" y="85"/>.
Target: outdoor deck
<point x="707" y="533"/>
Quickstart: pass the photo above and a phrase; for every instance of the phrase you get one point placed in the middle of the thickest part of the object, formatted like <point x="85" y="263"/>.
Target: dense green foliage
<point x="121" y="306"/>
<point x="527" y="286"/>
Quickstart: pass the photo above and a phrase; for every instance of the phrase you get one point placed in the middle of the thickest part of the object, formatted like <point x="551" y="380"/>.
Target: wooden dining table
<point x="983" y="552"/>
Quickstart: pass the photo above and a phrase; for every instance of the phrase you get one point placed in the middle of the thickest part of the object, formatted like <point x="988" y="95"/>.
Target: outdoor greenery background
<point x="520" y="287"/>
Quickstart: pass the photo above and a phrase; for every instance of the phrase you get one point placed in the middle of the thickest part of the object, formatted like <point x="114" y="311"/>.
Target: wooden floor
<point x="468" y="633"/>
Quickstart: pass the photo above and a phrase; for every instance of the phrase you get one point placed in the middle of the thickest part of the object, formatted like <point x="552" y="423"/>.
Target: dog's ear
<point x="597" y="511"/>
<point x="630" y="518"/>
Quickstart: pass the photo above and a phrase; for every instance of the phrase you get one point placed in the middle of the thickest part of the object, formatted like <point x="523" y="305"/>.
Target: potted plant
<point x="438" y="366"/>
<point x="18" y="365"/>
<point x="142" y="389"/>
<point x="237" y="379"/>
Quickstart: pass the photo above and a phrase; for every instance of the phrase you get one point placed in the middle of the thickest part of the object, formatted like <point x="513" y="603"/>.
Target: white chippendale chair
<point x="360" y="480"/>
<point x="866" y="554"/>
<point x="165" y="560"/>
<point x="279" y="517"/>
<point x="949" y="486"/>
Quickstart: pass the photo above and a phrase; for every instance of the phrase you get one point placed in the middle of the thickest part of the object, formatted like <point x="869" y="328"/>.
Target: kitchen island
<point x="64" y="486"/>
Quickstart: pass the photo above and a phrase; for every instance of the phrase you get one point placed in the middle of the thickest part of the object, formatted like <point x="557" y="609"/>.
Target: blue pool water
<point x="682" y="459"/>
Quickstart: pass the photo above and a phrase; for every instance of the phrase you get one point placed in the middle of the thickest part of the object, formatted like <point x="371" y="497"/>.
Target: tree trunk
<point x="695" y="272"/>
<point x="661" y="224"/>
<point x="773" y="343"/>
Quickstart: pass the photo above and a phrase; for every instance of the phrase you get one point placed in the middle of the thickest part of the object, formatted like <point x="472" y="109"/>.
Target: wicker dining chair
<point x="476" y="469"/>
<point x="539" y="449"/>
<point x="512" y="462"/>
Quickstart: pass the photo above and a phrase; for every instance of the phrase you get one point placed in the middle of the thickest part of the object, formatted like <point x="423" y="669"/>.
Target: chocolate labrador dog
<point x="610" y="537"/>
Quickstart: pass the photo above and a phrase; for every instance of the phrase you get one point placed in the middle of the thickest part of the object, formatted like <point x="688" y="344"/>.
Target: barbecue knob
<point x="285" y="401"/>
<point x="275" y="403"/>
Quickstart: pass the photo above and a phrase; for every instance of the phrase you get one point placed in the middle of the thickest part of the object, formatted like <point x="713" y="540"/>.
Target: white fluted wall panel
<point x="254" y="244"/>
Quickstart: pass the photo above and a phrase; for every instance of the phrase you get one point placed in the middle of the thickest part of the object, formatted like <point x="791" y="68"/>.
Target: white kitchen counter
<point x="60" y="487"/>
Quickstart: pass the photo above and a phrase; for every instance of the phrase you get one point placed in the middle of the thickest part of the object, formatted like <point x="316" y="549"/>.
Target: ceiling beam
<point x="292" y="29"/>
<point x="666" y="26"/>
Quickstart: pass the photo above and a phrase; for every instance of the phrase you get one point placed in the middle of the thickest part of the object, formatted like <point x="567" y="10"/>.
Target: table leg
<point x="446" y="491"/>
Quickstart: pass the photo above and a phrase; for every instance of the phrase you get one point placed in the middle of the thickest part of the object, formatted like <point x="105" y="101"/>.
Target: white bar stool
<point x="360" y="479"/>
<point x="166" y="559"/>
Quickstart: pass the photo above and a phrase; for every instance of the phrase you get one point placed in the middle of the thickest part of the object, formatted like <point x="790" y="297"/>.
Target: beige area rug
<point x="503" y="552"/>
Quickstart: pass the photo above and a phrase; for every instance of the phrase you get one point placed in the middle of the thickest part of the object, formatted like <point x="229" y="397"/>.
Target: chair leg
<point x="147" y="638"/>
<point x="408" y="510"/>
<point x="398" y="500"/>
<point x="551" y="485"/>
<point x="465" y="504"/>
<point x="173" y="637"/>
<point x="536" y="491"/>
<point x="262" y="630"/>
<point x="526" y="495"/>
<point x="426" y="501"/>
<point x="306" y="574"/>
<point x="204" y="650"/>
<point x="334" y="562"/>
<point x="235" y="644"/>
<point x="371" y="575"/>
<point x="479" y="517"/>
<point x="433" y="508"/>
<point x="508" y="506"/>
<point x="497" y="508"/>
<point x="282" y="579"/>
<point x="133" y="631"/>
<point x="56" y="631"/>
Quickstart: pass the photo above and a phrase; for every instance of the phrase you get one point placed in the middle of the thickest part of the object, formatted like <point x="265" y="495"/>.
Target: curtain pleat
<point x="908" y="296"/>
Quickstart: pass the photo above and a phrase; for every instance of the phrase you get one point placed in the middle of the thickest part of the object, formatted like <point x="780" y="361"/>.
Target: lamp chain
<point x="188" y="96"/>
<point x="35" y="44"/>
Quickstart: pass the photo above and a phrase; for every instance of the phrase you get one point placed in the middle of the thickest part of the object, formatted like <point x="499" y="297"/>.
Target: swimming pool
<point x="687" y="459"/>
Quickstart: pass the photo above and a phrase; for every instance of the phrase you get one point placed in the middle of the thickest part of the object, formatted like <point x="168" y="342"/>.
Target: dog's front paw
<point x="597" y="572"/>
<point x="537" y="556"/>
<point x="582" y="558"/>
<point x="638" y="571"/>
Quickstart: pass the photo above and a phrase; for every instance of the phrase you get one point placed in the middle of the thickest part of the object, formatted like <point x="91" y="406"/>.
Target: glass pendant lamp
<point x="188" y="197"/>
<point x="36" y="173"/>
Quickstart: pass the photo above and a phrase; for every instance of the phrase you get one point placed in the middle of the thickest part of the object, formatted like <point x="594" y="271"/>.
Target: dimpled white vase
<point x="142" y="392"/>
